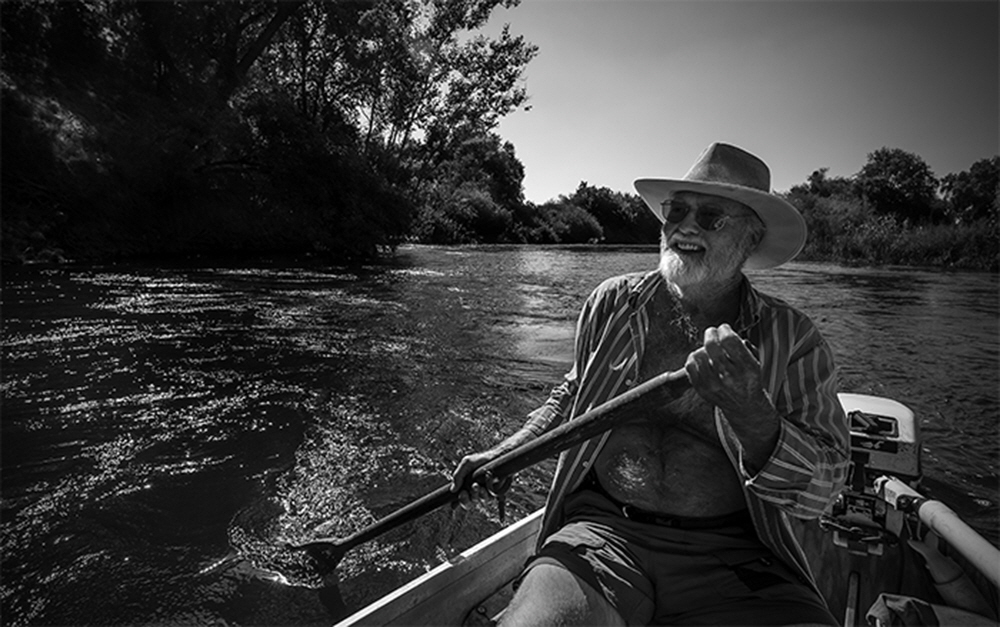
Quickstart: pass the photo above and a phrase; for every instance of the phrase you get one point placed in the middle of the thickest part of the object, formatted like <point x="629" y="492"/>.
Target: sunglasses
<point x="708" y="217"/>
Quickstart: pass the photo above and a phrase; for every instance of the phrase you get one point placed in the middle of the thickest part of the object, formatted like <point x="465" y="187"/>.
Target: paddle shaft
<point x="657" y="391"/>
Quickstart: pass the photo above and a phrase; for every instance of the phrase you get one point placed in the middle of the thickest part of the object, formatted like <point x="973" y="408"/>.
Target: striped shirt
<point x="808" y="466"/>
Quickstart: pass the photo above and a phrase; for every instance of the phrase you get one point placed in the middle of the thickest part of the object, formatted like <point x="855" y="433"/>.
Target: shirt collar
<point x="643" y="290"/>
<point x="750" y="301"/>
<point x="751" y="306"/>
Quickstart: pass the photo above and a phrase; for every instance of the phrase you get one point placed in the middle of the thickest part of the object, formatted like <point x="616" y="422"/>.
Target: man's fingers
<point x="466" y="498"/>
<point x="466" y="466"/>
<point x="698" y="367"/>
<point x="458" y="478"/>
<point x="717" y="353"/>
<point x="711" y="336"/>
<point x="719" y="333"/>
<point x="712" y="359"/>
<point x="467" y="494"/>
<point x="728" y="351"/>
<point x="718" y="340"/>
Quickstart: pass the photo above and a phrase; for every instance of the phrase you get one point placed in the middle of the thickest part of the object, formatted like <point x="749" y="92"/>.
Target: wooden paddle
<point x="654" y="393"/>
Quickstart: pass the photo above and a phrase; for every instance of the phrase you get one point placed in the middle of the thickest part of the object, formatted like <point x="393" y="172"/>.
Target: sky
<point x="625" y="89"/>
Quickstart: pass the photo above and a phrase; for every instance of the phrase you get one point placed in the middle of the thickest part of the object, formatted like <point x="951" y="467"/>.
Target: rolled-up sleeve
<point x="553" y="412"/>
<point x="808" y="466"/>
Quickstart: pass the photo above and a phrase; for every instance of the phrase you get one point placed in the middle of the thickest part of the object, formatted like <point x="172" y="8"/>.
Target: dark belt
<point x="739" y="518"/>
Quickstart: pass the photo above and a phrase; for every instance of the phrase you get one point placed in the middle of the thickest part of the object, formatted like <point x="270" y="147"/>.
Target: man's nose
<point x="688" y="224"/>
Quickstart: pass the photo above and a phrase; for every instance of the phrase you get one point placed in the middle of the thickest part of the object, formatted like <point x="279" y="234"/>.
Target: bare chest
<point x="670" y="460"/>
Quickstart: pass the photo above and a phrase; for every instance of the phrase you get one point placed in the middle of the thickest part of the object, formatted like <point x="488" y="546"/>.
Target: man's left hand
<point x="726" y="373"/>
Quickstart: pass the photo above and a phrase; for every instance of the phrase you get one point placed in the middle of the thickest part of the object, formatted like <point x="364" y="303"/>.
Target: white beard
<point x="711" y="268"/>
<point x="677" y="271"/>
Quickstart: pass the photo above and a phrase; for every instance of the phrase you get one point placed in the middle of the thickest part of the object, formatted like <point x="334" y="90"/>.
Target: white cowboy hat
<point x="731" y="172"/>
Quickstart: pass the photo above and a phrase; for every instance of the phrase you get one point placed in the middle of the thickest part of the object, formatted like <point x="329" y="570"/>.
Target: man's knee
<point x="551" y="595"/>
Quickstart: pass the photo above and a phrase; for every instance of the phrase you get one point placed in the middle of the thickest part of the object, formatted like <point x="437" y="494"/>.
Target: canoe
<point x="859" y="551"/>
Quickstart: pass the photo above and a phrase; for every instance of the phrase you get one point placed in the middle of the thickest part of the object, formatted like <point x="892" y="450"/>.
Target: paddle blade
<point x="326" y="552"/>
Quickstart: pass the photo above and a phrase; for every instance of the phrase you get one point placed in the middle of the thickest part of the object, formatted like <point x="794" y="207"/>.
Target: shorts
<point x="657" y="574"/>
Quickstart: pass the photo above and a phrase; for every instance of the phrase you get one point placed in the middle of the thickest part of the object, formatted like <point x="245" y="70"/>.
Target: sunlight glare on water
<point x="165" y="430"/>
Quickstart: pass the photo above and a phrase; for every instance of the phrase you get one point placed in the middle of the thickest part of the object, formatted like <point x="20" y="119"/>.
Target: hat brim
<point x="786" y="228"/>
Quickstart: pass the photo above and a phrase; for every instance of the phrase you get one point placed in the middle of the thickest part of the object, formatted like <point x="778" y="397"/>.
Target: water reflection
<point x="929" y="340"/>
<point x="164" y="429"/>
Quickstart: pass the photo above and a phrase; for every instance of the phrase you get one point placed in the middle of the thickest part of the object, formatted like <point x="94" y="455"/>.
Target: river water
<point x="165" y="429"/>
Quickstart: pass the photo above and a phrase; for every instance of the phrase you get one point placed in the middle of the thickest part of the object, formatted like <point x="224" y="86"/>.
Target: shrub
<point x="845" y="230"/>
<point x="569" y="224"/>
<point x="464" y="215"/>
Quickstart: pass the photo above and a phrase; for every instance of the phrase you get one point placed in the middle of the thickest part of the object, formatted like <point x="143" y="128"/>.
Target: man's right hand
<point x="467" y="466"/>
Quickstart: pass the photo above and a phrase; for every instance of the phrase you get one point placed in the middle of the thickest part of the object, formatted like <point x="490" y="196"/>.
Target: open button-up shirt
<point x="808" y="466"/>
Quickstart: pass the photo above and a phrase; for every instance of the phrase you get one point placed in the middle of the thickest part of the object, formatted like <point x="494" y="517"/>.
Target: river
<point x="165" y="428"/>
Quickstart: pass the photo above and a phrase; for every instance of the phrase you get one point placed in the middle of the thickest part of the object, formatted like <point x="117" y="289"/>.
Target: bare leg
<point x="552" y="595"/>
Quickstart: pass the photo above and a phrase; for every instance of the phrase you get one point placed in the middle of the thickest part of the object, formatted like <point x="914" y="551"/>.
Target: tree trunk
<point x="257" y="47"/>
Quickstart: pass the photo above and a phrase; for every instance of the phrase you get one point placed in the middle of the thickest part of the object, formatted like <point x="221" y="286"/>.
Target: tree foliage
<point x="403" y="74"/>
<point x="846" y="225"/>
<point x="819" y="185"/>
<point x="624" y="218"/>
<point x="342" y="127"/>
<point x="473" y="197"/>
<point x="974" y="194"/>
<point x="298" y="125"/>
<point x="561" y="222"/>
<point x="897" y="182"/>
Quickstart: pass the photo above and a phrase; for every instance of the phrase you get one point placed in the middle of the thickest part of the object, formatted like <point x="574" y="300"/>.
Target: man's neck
<point x="710" y="303"/>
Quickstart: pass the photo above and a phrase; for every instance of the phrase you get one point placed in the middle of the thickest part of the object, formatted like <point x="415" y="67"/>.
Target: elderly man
<point x="681" y="515"/>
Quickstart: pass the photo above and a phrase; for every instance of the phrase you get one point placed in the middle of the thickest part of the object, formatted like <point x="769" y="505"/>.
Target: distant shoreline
<point x="313" y="259"/>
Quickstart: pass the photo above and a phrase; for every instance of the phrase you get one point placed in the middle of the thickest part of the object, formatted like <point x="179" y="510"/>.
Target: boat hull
<point x="452" y="592"/>
<point x="858" y="553"/>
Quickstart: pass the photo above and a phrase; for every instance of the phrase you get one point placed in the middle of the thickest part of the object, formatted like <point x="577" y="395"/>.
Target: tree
<point x="475" y="196"/>
<point x="624" y="219"/>
<point x="817" y="184"/>
<point x="562" y="222"/>
<point x="328" y="118"/>
<point x="41" y="37"/>
<point x="404" y="73"/>
<point x="492" y="163"/>
<point x="178" y="47"/>
<point x="894" y="181"/>
<point x="974" y="194"/>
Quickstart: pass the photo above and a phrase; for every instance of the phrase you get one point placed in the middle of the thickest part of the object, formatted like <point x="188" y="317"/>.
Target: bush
<point x="464" y="215"/>
<point x="845" y="230"/>
<point x="624" y="218"/>
<point x="568" y="224"/>
<point x="165" y="181"/>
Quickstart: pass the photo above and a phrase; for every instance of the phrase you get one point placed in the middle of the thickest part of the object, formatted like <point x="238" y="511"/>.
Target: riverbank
<point x="886" y="241"/>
